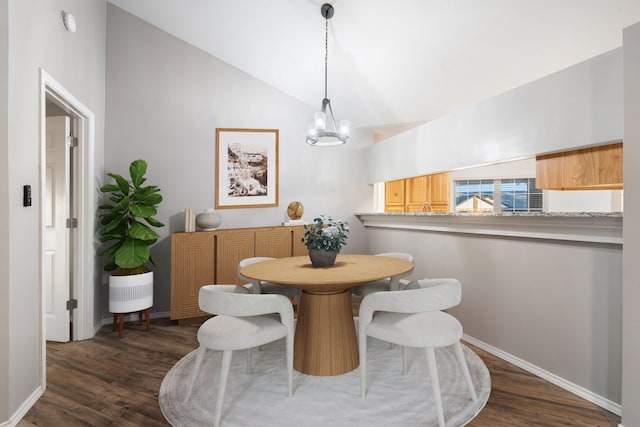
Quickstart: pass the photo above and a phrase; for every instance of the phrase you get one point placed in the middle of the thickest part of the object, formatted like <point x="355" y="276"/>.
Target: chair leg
<point x="404" y="360"/>
<point x="194" y="371"/>
<point x="435" y="385"/>
<point x="146" y="315"/>
<point x="222" y="385"/>
<point x="289" y="344"/>
<point x="465" y="370"/>
<point x="362" y="344"/>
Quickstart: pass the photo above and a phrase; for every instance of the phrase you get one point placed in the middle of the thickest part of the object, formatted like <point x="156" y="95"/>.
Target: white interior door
<point x="57" y="234"/>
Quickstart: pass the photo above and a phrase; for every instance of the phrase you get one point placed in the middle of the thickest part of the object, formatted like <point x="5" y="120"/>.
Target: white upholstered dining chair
<point x="242" y="321"/>
<point x="388" y="284"/>
<point x="413" y="318"/>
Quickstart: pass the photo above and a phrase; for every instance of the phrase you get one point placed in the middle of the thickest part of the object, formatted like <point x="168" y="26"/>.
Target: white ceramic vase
<point x="208" y="220"/>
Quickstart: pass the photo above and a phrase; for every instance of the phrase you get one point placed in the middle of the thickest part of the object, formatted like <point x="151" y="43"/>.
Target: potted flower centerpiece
<point x="126" y="220"/>
<point x="324" y="238"/>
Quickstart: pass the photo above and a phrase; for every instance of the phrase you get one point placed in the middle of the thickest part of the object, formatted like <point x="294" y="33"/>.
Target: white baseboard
<point x="548" y="376"/>
<point x="24" y="408"/>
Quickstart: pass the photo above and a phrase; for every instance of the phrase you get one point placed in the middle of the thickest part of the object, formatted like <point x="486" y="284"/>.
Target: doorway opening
<point x="67" y="211"/>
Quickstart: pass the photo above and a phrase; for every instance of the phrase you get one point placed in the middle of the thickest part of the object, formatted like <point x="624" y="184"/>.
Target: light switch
<point x="26" y="196"/>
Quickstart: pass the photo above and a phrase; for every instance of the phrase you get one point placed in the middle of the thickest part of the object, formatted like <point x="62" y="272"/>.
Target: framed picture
<point x="247" y="168"/>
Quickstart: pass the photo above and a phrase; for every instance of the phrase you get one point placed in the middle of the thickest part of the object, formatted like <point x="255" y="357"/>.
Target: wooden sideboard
<point x="209" y="257"/>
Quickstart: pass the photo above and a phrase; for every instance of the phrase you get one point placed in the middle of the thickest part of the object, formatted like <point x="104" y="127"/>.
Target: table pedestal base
<point x="325" y="342"/>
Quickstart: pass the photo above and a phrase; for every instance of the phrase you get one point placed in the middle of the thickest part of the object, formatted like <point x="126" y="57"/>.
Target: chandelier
<point x="324" y="132"/>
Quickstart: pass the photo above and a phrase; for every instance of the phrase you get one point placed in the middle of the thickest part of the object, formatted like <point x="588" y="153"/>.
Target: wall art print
<point x="247" y="168"/>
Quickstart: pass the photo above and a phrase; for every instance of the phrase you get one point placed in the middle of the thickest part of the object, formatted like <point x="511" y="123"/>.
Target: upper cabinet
<point x="394" y="196"/>
<point x="407" y="195"/>
<point x="440" y="191"/>
<point x="416" y="191"/>
<point x="596" y="168"/>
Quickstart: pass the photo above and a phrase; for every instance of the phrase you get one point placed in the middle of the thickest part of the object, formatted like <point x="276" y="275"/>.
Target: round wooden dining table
<point x="325" y="341"/>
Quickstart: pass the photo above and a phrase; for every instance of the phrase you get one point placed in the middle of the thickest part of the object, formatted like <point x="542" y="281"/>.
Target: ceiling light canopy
<point x="321" y="133"/>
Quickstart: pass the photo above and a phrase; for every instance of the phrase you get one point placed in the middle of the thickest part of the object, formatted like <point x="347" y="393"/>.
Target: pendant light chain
<point x="326" y="53"/>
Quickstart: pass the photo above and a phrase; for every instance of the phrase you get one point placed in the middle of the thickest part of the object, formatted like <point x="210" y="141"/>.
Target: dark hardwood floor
<point x="111" y="381"/>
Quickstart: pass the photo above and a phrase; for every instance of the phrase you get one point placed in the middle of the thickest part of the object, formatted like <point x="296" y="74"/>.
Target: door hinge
<point x="72" y="222"/>
<point x="71" y="304"/>
<point x="72" y="141"/>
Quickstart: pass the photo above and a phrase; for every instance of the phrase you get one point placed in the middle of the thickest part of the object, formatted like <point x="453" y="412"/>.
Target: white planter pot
<point x="128" y="294"/>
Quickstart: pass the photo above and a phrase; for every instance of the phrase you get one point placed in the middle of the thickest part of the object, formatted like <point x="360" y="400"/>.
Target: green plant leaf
<point x="151" y="199"/>
<point x="107" y="218"/>
<point x="142" y="211"/>
<point x="106" y="207"/>
<point x="110" y="267"/>
<point x="137" y="170"/>
<point x="121" y="204"/>
<point x="108" y="188"/>
<point x="141" y="231"/>
<point x="123" y="184"/>
<point x="111" y="250"/>
<point x="132" y="253"/>
<point x="117" y="229"/>
<point x="154" y="222"/>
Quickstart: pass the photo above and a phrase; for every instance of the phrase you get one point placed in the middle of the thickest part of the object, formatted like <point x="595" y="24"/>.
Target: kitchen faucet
<point x="423" y="204"/>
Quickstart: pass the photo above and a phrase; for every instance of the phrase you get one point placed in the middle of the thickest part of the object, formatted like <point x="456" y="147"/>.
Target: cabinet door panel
<point x="579" y="169"/>
<point x="192" y="266"/>
<point x="416" y="190"/>
<point x="394" y="196"/>
<point x="299" y="249"/>
<point x="609" y="161"/>
<point x="231" y="247"/>
<point x="549" y="171"/>
<point x="273" y="242"/>
<point x="440" y="188"/>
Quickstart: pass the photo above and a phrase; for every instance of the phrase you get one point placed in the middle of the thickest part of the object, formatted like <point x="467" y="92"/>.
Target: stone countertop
<point x="586" y="227"/>
<point x="501" y="214"/>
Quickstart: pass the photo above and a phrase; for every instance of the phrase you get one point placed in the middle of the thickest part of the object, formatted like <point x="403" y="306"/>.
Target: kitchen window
<point x="514" y="195"/>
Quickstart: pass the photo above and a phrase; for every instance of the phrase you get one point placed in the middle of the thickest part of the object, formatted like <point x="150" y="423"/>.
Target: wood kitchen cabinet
<point x="407" y="195"/>
<point x="440" y="192"/>
<point x="416" y="191"/>
<point x="209" y="257"/>
<point x="394" y="196"/>
<point x="596" y="168"/>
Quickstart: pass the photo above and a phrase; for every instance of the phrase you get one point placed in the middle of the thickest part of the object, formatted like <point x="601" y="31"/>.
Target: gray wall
<point x="166" y="98"/>
<point x="36" y="39"/>
<point x="4" y="211"/>
<point x="575" y="107"/>
<point x="554" y="304"/>
<point x="631" y="289"/>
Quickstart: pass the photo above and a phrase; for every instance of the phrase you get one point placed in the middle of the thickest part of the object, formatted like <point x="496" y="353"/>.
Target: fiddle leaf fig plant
<point x="127" y="220"/>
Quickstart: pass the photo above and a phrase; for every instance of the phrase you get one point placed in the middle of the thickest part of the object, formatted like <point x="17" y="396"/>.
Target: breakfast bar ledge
<point x="595" y="227"/>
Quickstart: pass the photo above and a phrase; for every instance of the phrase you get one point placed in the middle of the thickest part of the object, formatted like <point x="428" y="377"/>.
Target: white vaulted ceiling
<point x="396" y="63"/>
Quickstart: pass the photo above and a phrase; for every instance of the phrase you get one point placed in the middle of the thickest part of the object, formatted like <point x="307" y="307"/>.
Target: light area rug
<point x="260" y="398"/>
